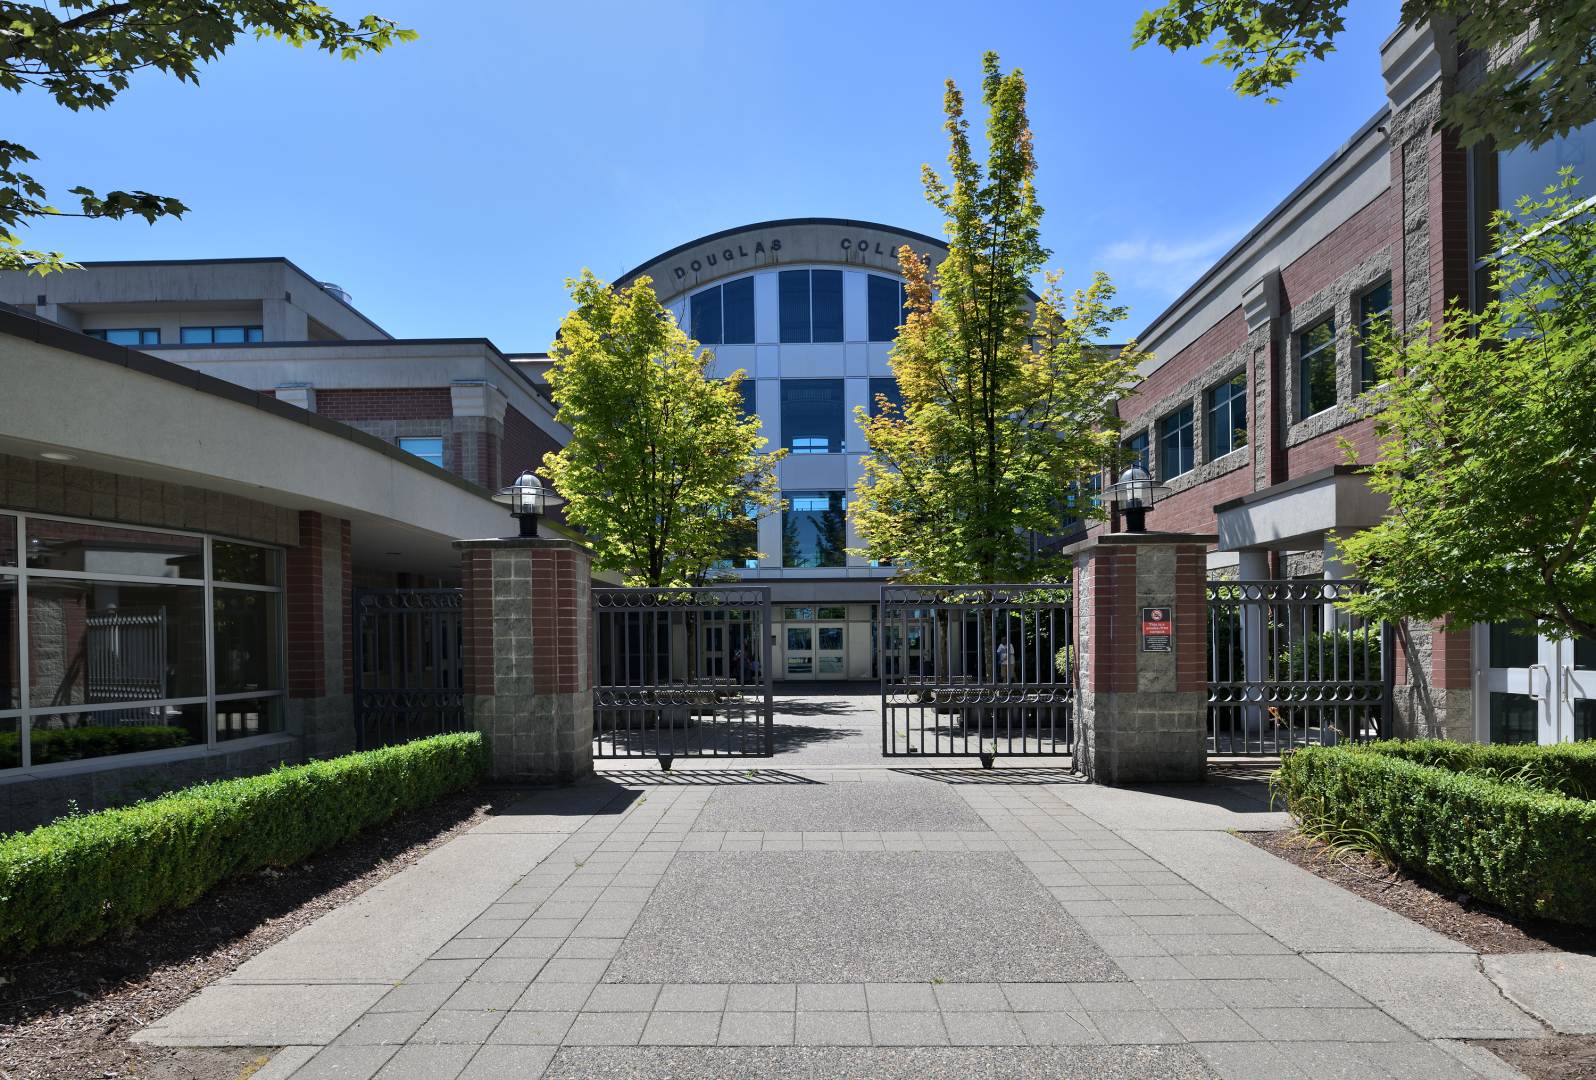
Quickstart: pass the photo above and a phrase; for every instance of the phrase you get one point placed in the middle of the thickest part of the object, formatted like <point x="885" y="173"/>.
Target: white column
<point x="1253" y="565"/>
<point x="1335" y="570"/>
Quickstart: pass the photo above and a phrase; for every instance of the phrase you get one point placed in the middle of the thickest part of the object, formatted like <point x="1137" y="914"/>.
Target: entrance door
<point x="831" y="651"/>
<point x="1537" y="690"/>
<point x="799" y="655"/>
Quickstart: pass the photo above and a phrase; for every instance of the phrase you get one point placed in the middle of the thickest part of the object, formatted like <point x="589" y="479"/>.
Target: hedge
<point x="95" y="740"/>
<point x="72" y="881"/>
<point x="1566" y="768"/>
<point x="1528" y="851"/>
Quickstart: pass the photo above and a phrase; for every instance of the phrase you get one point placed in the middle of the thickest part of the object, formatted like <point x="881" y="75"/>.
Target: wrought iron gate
<point x="408" y="669"/>
<point x="976" y="669"/>
<point x="1287" y="667"/>
<point x="682" y="673"/>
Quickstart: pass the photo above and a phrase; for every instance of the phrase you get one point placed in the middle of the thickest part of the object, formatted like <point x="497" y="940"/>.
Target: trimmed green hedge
<point x="1528" y="851"/>
<point x="1567" y="768"/>
<point x="95" y="740"/>
<point x="72" y="881"/>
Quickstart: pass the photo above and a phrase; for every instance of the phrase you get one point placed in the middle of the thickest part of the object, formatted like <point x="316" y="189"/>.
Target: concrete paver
<point x="874" y="922"/>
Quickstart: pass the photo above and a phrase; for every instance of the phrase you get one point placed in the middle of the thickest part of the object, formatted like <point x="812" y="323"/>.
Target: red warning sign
<point x="1158" y="629"/>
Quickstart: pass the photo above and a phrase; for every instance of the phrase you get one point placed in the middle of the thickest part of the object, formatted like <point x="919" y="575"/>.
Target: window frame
<point x="206" y="585"/>
<point x="786" y="337"/>
<point x="1324" y="351"/>
<point x="400" y="440"/>
<point x="1368" y="378"/>
<point x="148" y="335"/>
<point x="1185" y="420"/>
<point x="1236" y="393"/>
<point x="841" y="497"/>
<point x="870" y="308"/>
<point x="788" y="441"/>
<point x="253" y="335"/>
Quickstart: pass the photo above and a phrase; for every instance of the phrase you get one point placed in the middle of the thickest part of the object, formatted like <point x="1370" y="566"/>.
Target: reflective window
<point x="737" y="311"/>
<point x="1584" y="720"/>
<point x="887" y="300"/>
<point x="243" y="564"/>
<point x="247" y="635"/>
<point x="10" y="661"/>
<point x="1175" y="443"/>
<point x="1513" y="718"/>
<point x="1139" y="444"/>
<point x="885" y="388"/>
<point x="1511" y="647"/>
<point x="220" y="335"/>
<point x="1525" y="171"/>
<point x="1585" y="652"/>
<point x="1374" y="309"/>
<point x="814" y="529"/>
<point x="251" y="716"/>
<point x="1227" y="416"/>
<point x="706" y="316"/>
<point x="797" y="614"/>
<point x="427" y="449"/>
<point x="811" y="305"/>
<point x="8" y="540"/>
<point x="93" y="642"/>
<point x="105" y="549"/>
<point x="75" y="735"/>
<point x="831" y="613"/>
<point x="132" y="336"/>
<point x="1316" y="369"/>
<point x="812" y="415"/>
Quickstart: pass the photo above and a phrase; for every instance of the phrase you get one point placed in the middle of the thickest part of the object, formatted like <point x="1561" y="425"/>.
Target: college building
<point x="203" y="463"/>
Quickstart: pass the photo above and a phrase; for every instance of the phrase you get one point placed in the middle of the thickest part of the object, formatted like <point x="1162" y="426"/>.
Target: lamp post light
<point x="528" y="500"/>
<point x="1135" y="492"/>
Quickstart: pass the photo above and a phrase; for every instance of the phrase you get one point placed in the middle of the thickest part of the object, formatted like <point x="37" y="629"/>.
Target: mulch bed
<point x="1560" y="1057"/>
<point x="1456" y="916"/>
<point x="67" y="1014"/>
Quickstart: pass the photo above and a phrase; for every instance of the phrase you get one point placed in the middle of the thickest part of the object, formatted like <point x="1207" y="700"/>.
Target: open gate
<point x="408" y="668"/>
<point x="972" y="670"/>
<point x="682" y="673"/>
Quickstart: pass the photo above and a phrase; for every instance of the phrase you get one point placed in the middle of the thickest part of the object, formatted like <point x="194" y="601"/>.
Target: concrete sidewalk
<point x="874" y="923"/>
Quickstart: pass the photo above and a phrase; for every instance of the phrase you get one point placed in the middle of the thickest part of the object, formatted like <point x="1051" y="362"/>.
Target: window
<point x="140" y="336"/>
<point x="747" y="388"/>
<point x="1316" y="369"/>
<point x="1374" y="310"/>
<point x="1513" y="718"/>
<point x="887" y="307"/>
<point x="131" y="647"/>
<point x="427" y="449"/>
<point x="220" y="335"/>
<point x="1227" y="416"/>
<point x="885" y="388"/>
<point x="814" y="529"/>
<point x="1138" y="444"/>
<point x="1175" y="443"/>
<point x="724" y="314"/>
<point x="811" y="305"/>
<point x="812" y="416"/>
<point x="1512" y="645"/>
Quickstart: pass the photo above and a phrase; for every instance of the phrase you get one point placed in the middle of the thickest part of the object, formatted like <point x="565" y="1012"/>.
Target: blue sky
<point x="453" y="183"/>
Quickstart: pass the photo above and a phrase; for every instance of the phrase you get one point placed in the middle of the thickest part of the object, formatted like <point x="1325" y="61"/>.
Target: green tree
<point x="83" y="54"/>
<point x="1487" y="428"/>
<point x="1006" y="400"/>
<point x="663" y="470"/>
<point x="1547" y="91"/>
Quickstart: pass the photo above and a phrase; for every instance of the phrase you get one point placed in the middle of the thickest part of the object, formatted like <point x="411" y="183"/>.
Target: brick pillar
<point x="320" y="708"/>
<point x="528" y="634"/>
<point x="1141" y="715"/>
<point x="1434" y="681"/>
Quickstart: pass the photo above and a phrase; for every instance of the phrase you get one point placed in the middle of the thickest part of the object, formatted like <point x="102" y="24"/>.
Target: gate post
<point x="1142" y="687"/>
<point x="527" y="638"/>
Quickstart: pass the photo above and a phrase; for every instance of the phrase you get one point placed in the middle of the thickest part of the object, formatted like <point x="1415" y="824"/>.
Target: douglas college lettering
<point x="732" y="254"/>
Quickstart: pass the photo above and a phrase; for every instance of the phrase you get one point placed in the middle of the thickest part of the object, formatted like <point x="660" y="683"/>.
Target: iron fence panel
<point x="971" y="670"/>
<point x="409" y="674"/>
<point x="682" y="673"/>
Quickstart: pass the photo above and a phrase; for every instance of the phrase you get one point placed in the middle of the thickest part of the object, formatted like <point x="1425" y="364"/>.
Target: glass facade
<point x="812" y="416"/>
<point x="115" y="640"/>
<point x="814" y="529"/>
<point x="885" y="388"/>
<point x="811" y="305"/>
<point x="724" y="314"/>
<point x="128" y="336"/>
<point x="220" y="335"/>
<point x="1227" y="416"/>
<point x="887" y="311"/>
<point x="1374" y="310"/>
<point x="1316" y="369"/>
<point x="1176" y="445"/>
<point x="427" y="449"/>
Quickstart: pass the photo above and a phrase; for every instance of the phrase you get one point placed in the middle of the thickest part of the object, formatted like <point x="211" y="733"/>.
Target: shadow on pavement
<point x="709" y="778"/>
<point x="996" y="776"/>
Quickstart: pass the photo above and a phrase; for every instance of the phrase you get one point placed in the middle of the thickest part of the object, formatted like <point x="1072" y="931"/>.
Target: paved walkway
<point x="860" y="921"/>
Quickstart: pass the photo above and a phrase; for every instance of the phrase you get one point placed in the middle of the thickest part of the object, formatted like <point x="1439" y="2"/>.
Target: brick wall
<point x="523" y="447"/>
<point x="400" y="403"/>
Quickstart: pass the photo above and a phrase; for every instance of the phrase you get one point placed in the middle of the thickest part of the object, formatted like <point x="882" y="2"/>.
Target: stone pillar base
<point x="1147" y="738"/>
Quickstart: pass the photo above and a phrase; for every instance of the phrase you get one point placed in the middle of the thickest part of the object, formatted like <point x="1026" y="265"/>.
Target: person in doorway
<point x="1003" y="661"/>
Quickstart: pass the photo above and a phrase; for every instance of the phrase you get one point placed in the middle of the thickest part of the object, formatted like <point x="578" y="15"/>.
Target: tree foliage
<point x="83" y="53"/>
<point x="1006" y="401"/>
<point x="663" y="470"/>
<point x="1488" y="440"/>
<point x="1547" y="90"/>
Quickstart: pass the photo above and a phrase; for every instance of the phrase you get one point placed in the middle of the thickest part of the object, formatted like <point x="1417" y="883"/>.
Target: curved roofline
<point x="679" y="248"/>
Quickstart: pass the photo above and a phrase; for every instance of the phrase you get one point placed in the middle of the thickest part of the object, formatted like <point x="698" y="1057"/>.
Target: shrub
<point x="74" y="880"/>
<point x="1567" y="768"/>
<point x="75" y="744"/>
<point x="1529" y="851"/>
<point x="1331" y="656"/>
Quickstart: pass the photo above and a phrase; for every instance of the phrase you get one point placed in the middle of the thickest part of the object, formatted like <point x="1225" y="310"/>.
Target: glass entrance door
<point x="798" y="660"/>
<point x="1538" y="690"/>
<point x="831" y="651"/>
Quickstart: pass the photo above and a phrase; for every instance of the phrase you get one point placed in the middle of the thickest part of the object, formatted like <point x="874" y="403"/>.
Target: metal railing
<point x="409" y="674"/>
<point x="682" y="673"/>
<point x="971" y="670"/>
<point x="1288" y="667"/>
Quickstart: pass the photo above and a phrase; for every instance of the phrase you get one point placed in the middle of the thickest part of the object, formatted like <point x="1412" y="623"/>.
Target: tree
<point x="84" y="54"/>
<point x="1488" y="441"/>
<point x="1545" y="92"/>
<point x="1006" y="400"/>
<point x="663" y="470"/>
